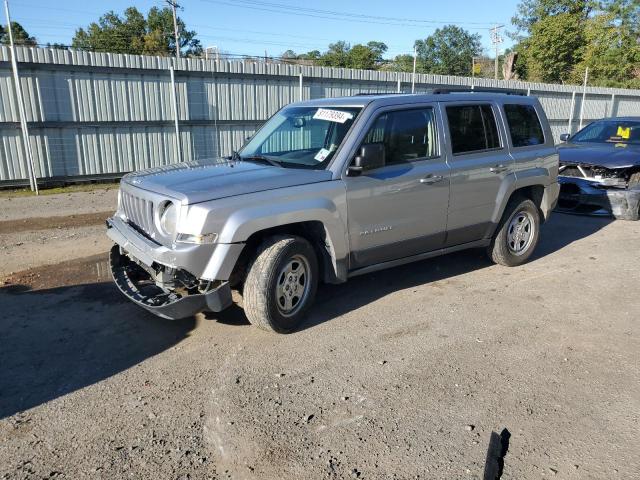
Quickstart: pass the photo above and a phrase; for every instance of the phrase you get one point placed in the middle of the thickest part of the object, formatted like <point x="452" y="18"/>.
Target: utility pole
<point x="413" y="76"/>
<point x="176" y="34"/>
<point x="496" y="40"/>
<point x="21" y="108"/>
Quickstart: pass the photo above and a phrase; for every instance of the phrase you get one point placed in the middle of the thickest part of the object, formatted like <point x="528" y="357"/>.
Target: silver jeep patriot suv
<point x="333" y="188"/>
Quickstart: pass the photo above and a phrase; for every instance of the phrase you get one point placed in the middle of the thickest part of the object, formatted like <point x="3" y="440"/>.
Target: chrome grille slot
<point x="138" y="211"/>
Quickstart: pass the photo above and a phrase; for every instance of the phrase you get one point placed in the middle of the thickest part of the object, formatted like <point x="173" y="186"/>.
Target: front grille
<point x="139" y="211"/>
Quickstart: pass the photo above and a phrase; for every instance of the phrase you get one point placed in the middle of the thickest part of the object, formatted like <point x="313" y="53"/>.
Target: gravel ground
<point x="48" y="229"/>
<point x="400" y="374"/>
<point x="73" y="203"/>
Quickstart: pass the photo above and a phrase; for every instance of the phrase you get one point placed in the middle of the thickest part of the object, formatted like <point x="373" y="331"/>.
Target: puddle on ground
<point x="94" y="269"/>
<point x="47" y="223"/>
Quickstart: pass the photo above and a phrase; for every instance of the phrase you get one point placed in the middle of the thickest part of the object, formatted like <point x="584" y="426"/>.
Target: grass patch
<point x="80" y="187"/>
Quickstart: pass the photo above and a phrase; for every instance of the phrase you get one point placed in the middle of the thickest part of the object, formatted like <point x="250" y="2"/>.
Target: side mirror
<point x="564" y="137"/>
<point x="371" y="156"/>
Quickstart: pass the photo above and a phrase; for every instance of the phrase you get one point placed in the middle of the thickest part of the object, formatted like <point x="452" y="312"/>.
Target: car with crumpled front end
<point x="600" y="169"/>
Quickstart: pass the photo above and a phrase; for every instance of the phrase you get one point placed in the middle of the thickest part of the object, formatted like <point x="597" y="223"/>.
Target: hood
<point x="607" y="155"/>
<point x="211" y="179"/>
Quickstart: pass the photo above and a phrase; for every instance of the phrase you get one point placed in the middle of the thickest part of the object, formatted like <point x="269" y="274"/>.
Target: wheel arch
<point x="332" y="269"/>
<point x="531" y="184"/>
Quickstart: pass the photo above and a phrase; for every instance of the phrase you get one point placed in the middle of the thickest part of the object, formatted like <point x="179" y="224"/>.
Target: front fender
<point x="244" y="223"/>
<point x="236" y="219"/>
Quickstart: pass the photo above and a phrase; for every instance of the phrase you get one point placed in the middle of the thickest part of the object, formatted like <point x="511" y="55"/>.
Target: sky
<point x="251" y="27"/>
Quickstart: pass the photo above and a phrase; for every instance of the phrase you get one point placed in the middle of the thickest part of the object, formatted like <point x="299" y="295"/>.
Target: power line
<point x="339" y="16"/>
<point x="306" y="10"/>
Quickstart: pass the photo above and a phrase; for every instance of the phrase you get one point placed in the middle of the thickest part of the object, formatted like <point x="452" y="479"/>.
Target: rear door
<point x="400" y="209"/>
<point x="530" y="145"/>
<point x="480" y="162"/>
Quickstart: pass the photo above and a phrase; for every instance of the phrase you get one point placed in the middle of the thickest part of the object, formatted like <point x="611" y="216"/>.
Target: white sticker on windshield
<point x="332" y="115"/>
<point x="322" y="155"/>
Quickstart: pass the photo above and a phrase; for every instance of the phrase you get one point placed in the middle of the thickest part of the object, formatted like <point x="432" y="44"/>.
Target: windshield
<point x="301" y="137"/>
<point x="609" y="131"/>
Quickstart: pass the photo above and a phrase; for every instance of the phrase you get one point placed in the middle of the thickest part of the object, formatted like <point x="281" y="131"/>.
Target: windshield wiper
<point x="260" y="158"/>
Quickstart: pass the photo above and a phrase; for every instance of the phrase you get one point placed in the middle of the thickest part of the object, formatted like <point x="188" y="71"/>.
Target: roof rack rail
<point x="504" y="91"/>
<point x="378" y="93"/>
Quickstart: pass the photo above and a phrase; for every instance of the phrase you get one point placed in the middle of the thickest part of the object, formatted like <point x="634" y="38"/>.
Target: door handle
<point x="430" y="179"/>
<point x="498" y="169"/>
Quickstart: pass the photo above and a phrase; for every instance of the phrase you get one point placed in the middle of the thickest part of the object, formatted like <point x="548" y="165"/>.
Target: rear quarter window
<point x="524" y="125"/>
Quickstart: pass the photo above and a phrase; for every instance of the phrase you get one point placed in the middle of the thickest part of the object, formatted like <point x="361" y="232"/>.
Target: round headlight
<point x="169" y="218"/>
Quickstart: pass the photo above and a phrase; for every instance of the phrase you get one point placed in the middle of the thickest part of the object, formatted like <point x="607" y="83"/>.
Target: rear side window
<point x="524" y="125"/>
<point x="473" y="128"/>
<point x="407" y="135"/>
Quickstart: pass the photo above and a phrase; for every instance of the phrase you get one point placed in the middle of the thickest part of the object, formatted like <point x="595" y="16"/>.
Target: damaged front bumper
<point x="139" y="285"/>
<point x="172" y="283"/>
<point x="579" y="195"/>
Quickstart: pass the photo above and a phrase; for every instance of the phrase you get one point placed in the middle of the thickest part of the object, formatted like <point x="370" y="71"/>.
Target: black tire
<point x="503" y="249"/>
<point x="262" y="305"/>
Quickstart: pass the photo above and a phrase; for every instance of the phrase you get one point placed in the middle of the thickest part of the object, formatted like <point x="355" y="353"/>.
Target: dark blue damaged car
<point x="600" y="169"/>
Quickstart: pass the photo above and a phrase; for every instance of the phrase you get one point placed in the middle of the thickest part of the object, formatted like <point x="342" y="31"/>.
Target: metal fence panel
<point x="100" y="113"/>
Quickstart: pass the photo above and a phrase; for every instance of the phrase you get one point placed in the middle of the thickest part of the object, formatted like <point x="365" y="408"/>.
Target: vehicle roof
<point x="384" y="99"/>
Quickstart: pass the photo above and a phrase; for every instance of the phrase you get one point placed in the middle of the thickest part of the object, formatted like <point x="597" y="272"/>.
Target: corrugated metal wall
<point x="105" y="114"/>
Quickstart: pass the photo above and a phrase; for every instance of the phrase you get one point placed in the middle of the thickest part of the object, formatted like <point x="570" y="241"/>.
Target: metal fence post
<point x="573" y="106"/>
<point x="584" y="96"/>
<point x="174" y="99"/>
<point x="21" y="108"/>
<point x="300" y="96"/>
<point x="613" y="105"/>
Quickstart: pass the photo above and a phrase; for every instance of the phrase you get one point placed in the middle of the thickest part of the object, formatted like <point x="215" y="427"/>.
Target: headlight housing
<point x="168" y="218"/>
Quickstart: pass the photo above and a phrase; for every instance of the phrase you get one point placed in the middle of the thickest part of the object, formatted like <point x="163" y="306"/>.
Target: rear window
<point x="524" y="125"/>
<point x="472" y="128"/>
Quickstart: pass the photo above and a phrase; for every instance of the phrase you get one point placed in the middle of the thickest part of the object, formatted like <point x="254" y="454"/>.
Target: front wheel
<point x="281" y="284"/>
<point x="517" y="234"/>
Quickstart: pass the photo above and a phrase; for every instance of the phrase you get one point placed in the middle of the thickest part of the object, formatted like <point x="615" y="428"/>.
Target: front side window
<point x="472" y="128"/>
<point x="302" y="137"/>
<point x="407" y="135"/>
<point x="524" y="125"/>
<point x="609" y="131"/>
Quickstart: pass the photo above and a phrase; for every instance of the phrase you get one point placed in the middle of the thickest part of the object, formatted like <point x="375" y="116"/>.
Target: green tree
<point x="559" y="39"/>
<point x="367" y="57"/>
<point x="554" y="48"/>
<point x="313" y="55"/>
<point x="20" y="35"/>
<point x="337" y="55"/>
<point x="341" y="54"/>
<point x="449" y="51"/>
<point x="135" y="34"/>
<point x="530" y="12"/>
<point x="611" y="52"/>
<point x="401" y="63"/>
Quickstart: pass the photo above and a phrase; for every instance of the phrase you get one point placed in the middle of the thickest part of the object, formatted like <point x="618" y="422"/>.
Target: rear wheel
<point x="517" y="234"/>
<point x="281" y="283"/>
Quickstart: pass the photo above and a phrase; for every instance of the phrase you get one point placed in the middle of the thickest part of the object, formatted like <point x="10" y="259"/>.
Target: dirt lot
<point x="398" y="374"/>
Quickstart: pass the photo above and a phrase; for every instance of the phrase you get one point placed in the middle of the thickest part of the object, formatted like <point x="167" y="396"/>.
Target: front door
<point x="400" y="209"/>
